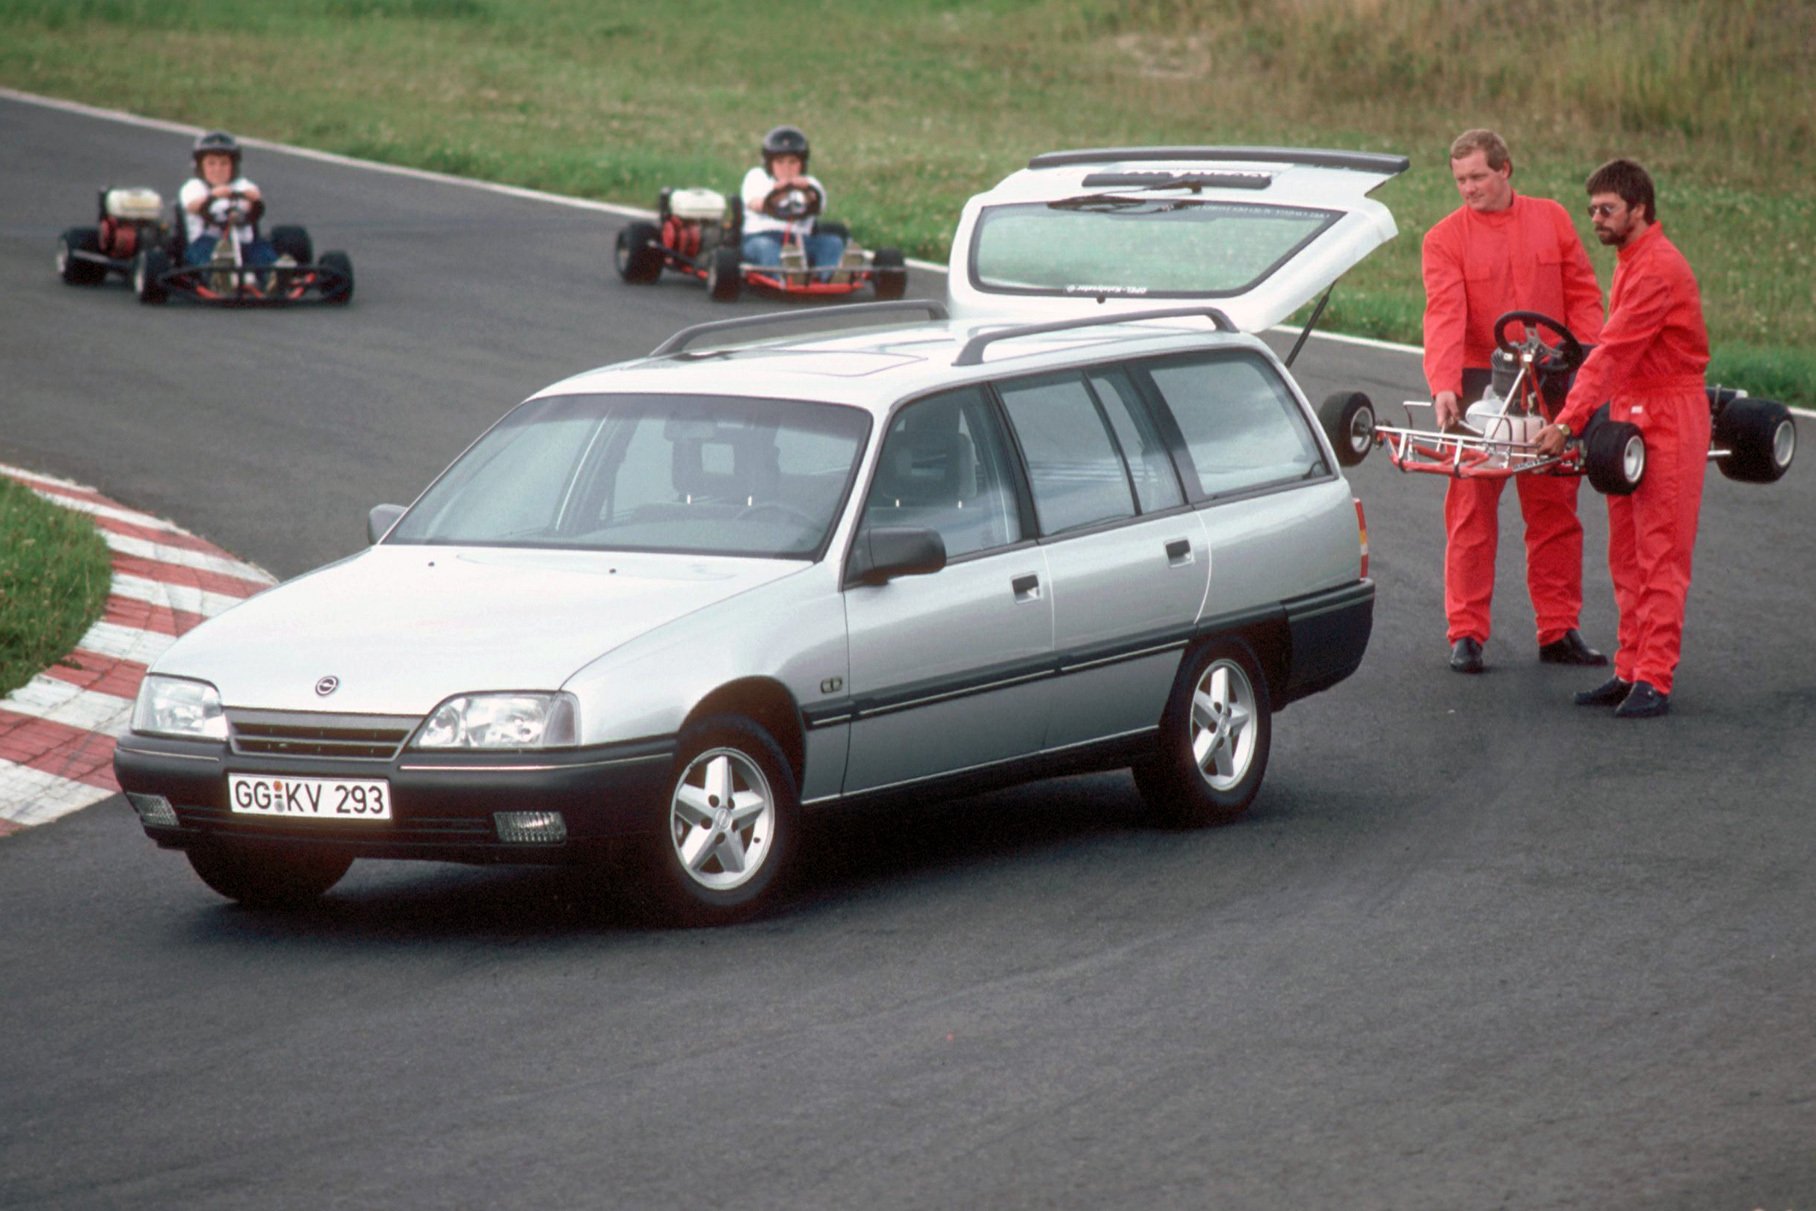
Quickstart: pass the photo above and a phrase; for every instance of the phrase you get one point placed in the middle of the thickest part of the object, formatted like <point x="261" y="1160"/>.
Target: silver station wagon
<point x="663" y="609"/>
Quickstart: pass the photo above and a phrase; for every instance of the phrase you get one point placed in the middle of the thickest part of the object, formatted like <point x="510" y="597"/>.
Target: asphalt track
<point x="1474" y="948"/>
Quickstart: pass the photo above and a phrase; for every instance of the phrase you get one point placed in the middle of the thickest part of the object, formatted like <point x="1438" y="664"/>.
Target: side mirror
<point x="380" y="520"/>
<point x="882" y="553"/>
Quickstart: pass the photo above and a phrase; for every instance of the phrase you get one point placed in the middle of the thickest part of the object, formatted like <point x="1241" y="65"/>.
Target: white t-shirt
<point x="198" y="225"/>
<point x="757" y="186"/>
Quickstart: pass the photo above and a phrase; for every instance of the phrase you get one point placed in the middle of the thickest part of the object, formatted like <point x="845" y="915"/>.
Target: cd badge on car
<point x="327" y="685"/>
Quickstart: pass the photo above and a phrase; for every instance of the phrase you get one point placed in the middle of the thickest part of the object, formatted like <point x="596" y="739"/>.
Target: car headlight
<point x="177" y="706"/>
<point x="502" y="721"/>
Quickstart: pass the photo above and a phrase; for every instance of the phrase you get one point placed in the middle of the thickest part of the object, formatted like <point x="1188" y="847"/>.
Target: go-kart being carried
<point x="1753" y="440"/>
<point x="700" y="232"/>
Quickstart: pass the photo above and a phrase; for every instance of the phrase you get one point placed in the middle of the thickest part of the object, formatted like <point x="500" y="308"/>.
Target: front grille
<point x="329" y="737"/>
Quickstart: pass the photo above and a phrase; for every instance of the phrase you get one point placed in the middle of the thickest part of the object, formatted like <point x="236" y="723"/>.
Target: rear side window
<point x="1242" y="428"/>
<point x="1074" y="467"/>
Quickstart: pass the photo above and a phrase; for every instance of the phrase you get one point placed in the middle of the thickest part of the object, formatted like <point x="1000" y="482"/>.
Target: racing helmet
<point x="216" y="142"/>
<point x="785" y="141"/>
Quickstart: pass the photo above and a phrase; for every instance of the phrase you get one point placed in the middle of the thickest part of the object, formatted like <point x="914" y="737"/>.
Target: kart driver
<point x="1649" y="365"/>
<point x="218" y="197"/>
<point x="1499" y="252"/>
<point x="785" y="154"/>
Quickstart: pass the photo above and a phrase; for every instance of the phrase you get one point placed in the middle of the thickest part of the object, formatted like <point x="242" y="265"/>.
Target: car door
<point x="1128" y="559"/>
<point x="947" y="669"/>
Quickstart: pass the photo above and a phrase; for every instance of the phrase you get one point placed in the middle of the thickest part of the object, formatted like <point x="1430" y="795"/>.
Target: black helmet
<point x="785" y="141"/>
<point x="216" y="142"/>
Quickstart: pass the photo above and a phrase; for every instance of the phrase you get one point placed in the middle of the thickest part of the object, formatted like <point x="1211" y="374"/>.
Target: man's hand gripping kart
<point x="1753" y="440"/>
<point x="700" y="233"/>
<point x="132" y="239"/>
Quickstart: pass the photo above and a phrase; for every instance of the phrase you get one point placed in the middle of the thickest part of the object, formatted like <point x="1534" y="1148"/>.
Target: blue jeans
<point x="765" y="248"/>
<point x="255" y="253"/>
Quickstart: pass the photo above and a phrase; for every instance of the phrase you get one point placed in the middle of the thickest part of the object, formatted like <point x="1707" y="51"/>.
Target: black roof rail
<point x="931" y="308"/>
<point x="1315" y="157"/>
<point x="973" y="352"/>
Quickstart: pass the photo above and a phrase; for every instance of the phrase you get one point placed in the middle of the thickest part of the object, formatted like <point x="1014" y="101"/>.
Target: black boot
<point x="1643" y="702"/>
<point x="1466" y="656"/>
<point x="1570" y="649"/>
<point x="1611" y="692"/>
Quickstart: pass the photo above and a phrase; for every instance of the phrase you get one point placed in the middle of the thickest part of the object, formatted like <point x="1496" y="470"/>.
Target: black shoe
<point x="1466" y="656"/>
<point x="1611" y="692"/>
<point x="1642" y="702"/>
<point x="1570" y="649"/>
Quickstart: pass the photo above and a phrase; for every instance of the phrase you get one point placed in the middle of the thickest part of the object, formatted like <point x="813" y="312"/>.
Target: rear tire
<point x="1761" y="437"/>
<point x="889" y="273"/>
<point x="340" y="291"/>
<point x="1348" y="418"/>
<point x="148" y="269"/>
<point x="725" y="275"/>
<point x="261" y="878"/>
<point x="638" y="254"/>
<point x="1215" y="735"/>
<point x="293" y="242"/>
<point x="73" y="269"/>
<point x="1614" y="456"/>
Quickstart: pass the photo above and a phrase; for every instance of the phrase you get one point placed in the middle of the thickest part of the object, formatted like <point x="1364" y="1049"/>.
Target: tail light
<point x="1362" y="537"/>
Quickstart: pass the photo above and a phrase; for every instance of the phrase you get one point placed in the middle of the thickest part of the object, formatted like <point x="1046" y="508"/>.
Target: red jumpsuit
<point x="1650" y="364"/>
<point x="1476" y="267"/>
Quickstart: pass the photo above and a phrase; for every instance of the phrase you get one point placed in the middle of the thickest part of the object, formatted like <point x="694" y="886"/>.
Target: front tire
<point x="1761" y="438"/>
<point x="339" y="290"/>
<point x="1215" y="736"/>
<point x="638" y="254"/>
<point x="1614" y="456"/>
<point x="148" y="269"/>
<point x="889" y="273"/>
<point x="1348" y="418"/>
<point x="729" y="828"/>
<point x="725" y="275"/>
<point x="262" y="878"/>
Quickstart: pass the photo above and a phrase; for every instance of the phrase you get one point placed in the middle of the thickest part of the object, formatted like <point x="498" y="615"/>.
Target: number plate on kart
<point x="310" y="798"/>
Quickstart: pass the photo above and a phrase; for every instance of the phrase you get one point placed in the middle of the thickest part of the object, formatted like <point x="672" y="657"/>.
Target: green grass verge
<point x="54" y="575"/>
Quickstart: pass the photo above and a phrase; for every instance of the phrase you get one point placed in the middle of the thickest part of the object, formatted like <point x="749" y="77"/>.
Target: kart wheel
<point x="728" y="830"/>
<point x="724" y="275"/>
<point x="1348" y="418"/>
<point x="1761" y="438"/>
<point x="148" y="269"/>
<point x="1214" y="739"/>
<point x="1614" y="456"/>
<point x="293" y="242"/>
<point x="338" y="266"/>
<point x="73" y="269"/>
<point x="638" y="254"/>
<point x="260" y="878"/>
<point x="889" y="273"/>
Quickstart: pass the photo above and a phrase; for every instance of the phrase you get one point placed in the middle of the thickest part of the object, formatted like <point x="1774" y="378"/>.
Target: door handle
<point x="1179" y="551"/>
<point x="1026" y="588"/>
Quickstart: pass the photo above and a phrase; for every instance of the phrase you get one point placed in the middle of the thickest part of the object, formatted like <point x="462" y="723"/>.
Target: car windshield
<point x="705" y="475"/>
<point x="1122" y="244"/>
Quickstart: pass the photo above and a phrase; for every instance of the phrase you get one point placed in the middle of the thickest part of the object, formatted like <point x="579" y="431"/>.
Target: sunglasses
<point x="1606" y="210"/>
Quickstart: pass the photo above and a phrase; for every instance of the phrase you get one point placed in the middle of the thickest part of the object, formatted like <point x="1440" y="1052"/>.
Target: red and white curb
<point x="57" y="731"/>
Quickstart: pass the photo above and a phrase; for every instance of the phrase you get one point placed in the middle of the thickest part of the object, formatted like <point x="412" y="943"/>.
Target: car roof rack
<point x="973" y="352"/>
<point x="1365" y="161"/>
<point x="930" y="308"/>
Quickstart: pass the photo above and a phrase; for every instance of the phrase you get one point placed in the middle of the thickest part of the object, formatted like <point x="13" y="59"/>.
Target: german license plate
<point x="310" y="798"/>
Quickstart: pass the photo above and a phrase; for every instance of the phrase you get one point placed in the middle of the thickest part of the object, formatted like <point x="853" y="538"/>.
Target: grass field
<point x="54" y="574"/>
<point x="915" y="104"/>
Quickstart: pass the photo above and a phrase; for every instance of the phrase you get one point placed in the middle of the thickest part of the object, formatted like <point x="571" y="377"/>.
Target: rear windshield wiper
<point x="1113" y="201"/>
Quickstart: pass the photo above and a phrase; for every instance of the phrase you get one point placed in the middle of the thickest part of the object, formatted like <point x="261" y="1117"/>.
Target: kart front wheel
<point x="889" y="273"/>
<point x="337" y="268"/>
<point x="73" y="269"/>
<point x="1614" y="456"/>
<point x="148" y="269"/>
<point x="1214" y="740"/>
<point x="1348" y="418"/>
<point x="1760" y="437"/>
<point x="638" y="254"/>
<point x="724" y="275"/>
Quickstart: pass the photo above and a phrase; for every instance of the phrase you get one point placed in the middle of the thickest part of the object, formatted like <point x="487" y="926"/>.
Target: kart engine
<point x="695" y="217"/>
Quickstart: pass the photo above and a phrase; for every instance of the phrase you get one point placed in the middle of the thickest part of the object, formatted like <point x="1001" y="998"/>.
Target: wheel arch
<point x="765" y="702"/>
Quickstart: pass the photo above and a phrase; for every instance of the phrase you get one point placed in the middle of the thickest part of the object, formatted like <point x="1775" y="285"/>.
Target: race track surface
<point x="1475" y="947"/>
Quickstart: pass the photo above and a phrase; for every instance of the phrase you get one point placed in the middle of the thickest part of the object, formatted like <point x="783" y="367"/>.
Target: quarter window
<point x="1243" y="428"/>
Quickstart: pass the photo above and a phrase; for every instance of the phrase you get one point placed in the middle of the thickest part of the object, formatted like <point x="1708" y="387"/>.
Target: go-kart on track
<point x="1473" y="947"/>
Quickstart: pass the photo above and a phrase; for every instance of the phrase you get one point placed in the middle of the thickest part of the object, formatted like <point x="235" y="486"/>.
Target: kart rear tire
<point x="1348" y="418"/>
<point x="1214" y="739"/>
<point x="148" y="270"/>
<point x="340" y="293"/>
<point x="1761" y="437"/>
<point x="74" y="270"/>
<point x="261" y="878"/>
<point x="293" y="242"/>
<point x="638" y="254"/>
<point x="1614" y="456"/>
<point x="889" y="273"/>
<point x="725" y="275"/>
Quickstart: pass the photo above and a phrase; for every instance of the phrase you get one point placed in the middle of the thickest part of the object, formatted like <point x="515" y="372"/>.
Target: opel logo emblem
<point x="326" y="686"/>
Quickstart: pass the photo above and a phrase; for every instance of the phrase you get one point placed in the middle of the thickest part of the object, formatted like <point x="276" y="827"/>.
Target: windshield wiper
<point x="1113" y="201"/>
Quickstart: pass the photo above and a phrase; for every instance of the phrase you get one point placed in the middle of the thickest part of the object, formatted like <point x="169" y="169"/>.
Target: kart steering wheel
<point x="793" y="202"/>
<point x="1560" y="358"/>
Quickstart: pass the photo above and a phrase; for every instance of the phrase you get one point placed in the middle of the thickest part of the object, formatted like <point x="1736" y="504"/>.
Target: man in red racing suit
<point x="1649" y="365"/>
<point x="1501" y="252"/>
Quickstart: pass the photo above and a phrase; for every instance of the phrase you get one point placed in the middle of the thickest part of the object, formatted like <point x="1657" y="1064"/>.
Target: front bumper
<point x="442" y="803"/>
